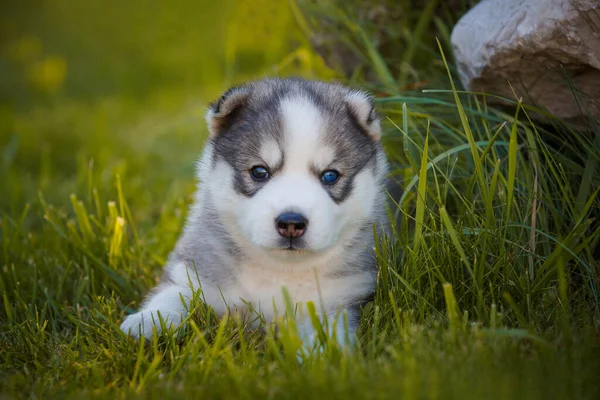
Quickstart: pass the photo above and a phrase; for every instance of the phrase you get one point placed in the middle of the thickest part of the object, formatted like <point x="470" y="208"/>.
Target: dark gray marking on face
<point x="240" y="145"/>
<point x="354" y="151"/>
<point x="259" y="121"/>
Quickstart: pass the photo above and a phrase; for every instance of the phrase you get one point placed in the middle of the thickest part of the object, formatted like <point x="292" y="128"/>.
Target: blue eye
<point x="330" y="177"/>
<point x="259" y="174"/>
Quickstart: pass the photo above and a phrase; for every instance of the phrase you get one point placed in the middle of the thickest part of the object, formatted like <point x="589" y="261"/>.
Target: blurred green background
<point x="94" y="49"/>
<point x="109" y="81"/>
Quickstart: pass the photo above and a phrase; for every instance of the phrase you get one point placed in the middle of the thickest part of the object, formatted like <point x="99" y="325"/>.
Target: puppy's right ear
<point x="221" y="112"/>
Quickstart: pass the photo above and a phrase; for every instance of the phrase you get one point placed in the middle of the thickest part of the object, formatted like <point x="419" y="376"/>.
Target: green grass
<point x="489" y="289"/>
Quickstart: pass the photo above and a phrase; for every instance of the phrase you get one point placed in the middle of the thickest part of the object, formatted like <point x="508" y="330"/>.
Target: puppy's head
<point x="294" y="167"/>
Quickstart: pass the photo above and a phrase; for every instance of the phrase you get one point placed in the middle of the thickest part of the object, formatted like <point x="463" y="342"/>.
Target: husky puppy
<point x="292" y="179"/>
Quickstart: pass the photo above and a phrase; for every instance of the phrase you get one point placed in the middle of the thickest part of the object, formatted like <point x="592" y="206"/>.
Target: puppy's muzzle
<point x="291" y="225"/>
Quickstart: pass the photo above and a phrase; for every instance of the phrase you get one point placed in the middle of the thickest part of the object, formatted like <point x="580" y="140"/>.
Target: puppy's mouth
<point x="292" y="245"/>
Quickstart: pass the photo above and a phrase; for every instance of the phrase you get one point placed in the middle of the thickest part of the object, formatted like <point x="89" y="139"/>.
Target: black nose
<point x="291" y="225"/>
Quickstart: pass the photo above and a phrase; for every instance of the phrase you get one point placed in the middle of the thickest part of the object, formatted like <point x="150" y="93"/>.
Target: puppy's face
<point x="293" y="167"/>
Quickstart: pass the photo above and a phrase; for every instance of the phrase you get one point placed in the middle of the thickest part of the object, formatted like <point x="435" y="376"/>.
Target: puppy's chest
<point x="263" y="288"/>
<point x="258" y="285"/>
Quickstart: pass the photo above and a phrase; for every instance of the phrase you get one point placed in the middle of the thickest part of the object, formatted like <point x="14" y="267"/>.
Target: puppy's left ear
<point x="221" y="113"/>
<point x="360" y="104"/>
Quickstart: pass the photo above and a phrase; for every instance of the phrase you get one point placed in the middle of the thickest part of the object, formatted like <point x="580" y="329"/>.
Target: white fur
<point x="168" y="302"/>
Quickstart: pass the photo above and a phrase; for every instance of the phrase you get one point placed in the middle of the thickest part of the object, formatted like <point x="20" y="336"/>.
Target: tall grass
<point x="487" y="289"/>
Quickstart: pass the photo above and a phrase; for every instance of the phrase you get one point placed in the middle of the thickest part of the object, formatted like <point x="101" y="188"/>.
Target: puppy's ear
<point x="221" y="112"/>
<point x="360" y="105"/>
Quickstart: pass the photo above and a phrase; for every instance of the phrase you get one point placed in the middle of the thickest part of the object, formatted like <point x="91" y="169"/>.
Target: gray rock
<point x="534" y="45"/>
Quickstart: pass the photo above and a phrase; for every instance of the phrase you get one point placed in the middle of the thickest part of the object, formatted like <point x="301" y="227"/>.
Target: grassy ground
<point x="489" y="289"/>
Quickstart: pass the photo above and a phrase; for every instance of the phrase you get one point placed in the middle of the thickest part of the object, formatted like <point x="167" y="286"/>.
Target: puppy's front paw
<point x="141" y="323"/>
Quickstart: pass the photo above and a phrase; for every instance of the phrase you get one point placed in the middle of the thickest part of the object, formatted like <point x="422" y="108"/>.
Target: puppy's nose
<point x="291" y="225"/>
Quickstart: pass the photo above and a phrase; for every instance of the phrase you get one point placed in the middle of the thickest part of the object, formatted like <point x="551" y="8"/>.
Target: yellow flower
<point x="49" y="74"/>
